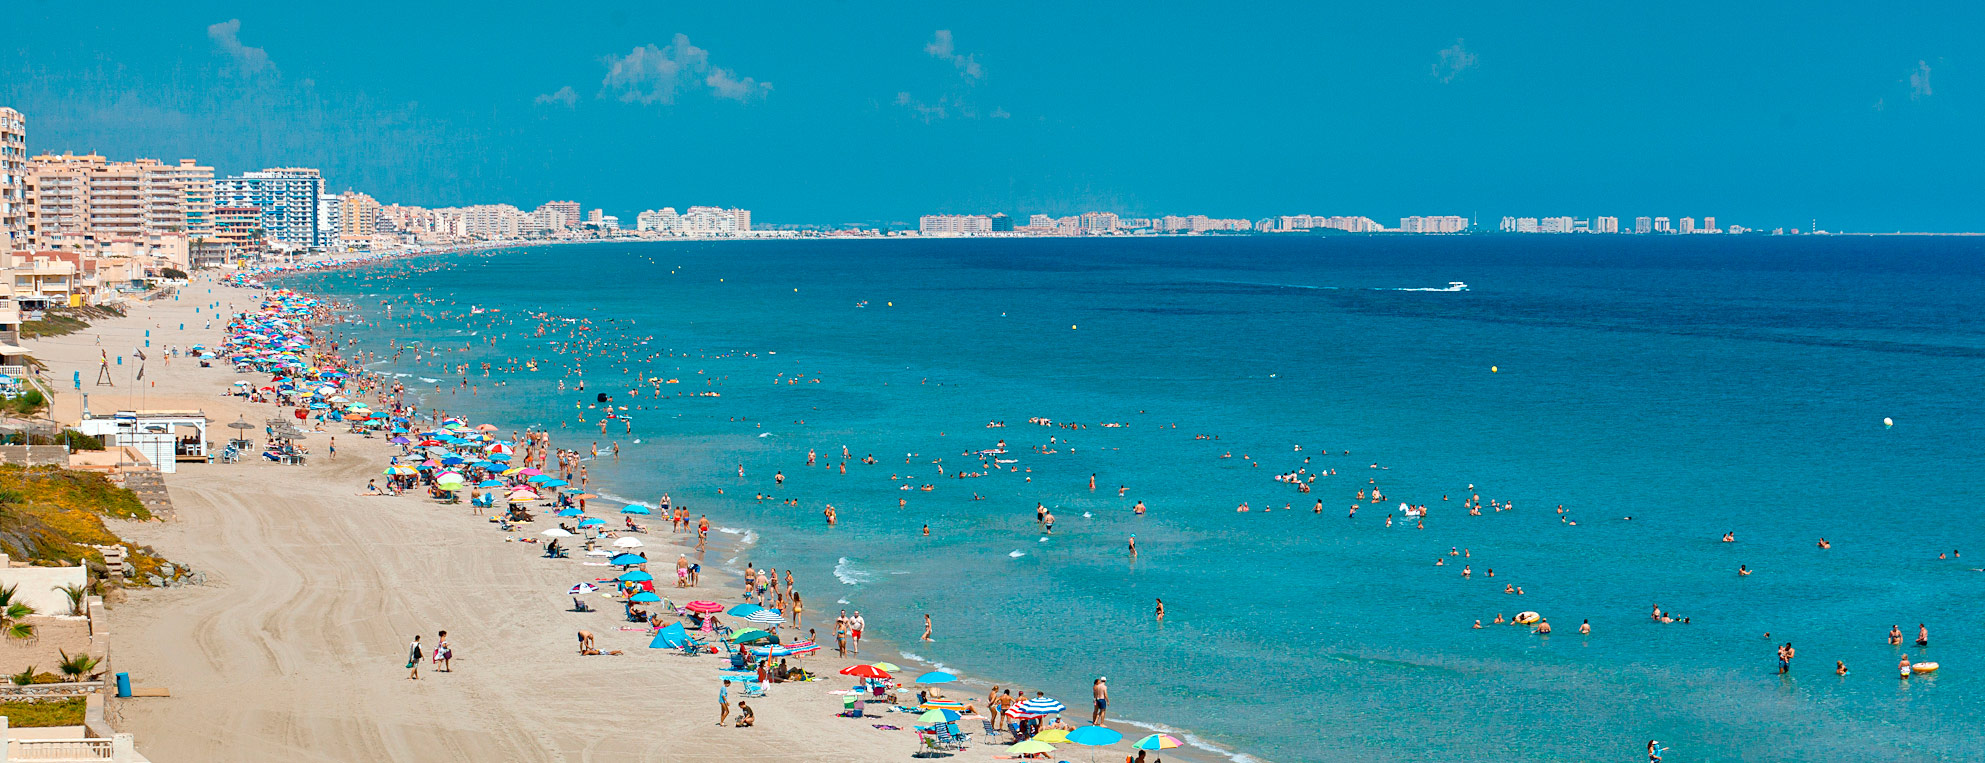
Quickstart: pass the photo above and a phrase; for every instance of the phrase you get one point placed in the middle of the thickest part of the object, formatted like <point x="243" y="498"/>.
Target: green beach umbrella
<point x="939" y="716"/>
<point x="749" y="636"/>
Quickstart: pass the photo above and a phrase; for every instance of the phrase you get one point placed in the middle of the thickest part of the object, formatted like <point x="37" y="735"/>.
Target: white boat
<point x="1456" y="286"/>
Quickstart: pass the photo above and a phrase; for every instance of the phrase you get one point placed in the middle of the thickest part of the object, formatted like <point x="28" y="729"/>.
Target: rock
<point x="199" y="578"/>
<point x="154" y="581"/>
<point x="166" y="570"/>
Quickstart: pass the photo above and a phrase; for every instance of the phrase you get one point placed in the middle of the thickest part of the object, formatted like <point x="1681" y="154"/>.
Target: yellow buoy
<point x="1492" y="369"/>
<point x="1071" y="327"/>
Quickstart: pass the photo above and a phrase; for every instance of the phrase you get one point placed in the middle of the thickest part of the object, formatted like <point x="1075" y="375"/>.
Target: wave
<point x="1017" y="553"/>
<point x="845" y="572"/>
<point x="430" y="381"/>
<point x="1191" y="739"/>
<point x="729" y="530"/>
<point x="626" y="501"/>
<point x="748" y="539"/>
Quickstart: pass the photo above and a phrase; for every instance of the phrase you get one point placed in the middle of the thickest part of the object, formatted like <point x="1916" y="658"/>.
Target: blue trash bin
<point x="124" y="685"/>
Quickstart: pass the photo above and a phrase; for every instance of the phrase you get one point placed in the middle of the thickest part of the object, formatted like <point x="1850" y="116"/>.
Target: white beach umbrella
<point x="556" y="532"/>
<point x="627" y="543"/>
<point x="599" y="552"/>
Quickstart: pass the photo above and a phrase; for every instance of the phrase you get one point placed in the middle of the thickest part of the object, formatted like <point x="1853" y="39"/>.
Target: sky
<point x="1862" y="116"/>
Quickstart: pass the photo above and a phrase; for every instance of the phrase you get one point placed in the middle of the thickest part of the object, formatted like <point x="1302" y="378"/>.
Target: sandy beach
<point x="295" y="646"/>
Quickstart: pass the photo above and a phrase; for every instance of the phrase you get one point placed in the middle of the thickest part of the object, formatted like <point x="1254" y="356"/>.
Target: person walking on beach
<point x="444" y="655"/>
<point x="1101" y="690"/>
<point x="724" y="702"/>
<point x="855" y="626"/>
<point x="413" y="659"/>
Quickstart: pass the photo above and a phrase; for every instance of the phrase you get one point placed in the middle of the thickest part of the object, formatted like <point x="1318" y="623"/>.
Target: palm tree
<point x="77" y="666"/>
<point x="77" y="594"/>
<point x="14" y="613"/>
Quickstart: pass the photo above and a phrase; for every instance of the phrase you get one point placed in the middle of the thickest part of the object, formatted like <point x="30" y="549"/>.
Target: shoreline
<point x="1202" y="750"/>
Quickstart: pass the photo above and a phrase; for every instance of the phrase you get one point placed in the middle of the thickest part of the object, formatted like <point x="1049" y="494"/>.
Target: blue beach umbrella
<point x="644" y="597"/>
<point x="627" y="559"/>
<point x="742" y="610"/>
<point x="554" y="483"/>
<point x="569" y="512"/>
<point x="634" y="509"/>
<point x="1095" y="736"/>
<point x="499" y="457"/>
<point x="591" y="522"/>
<point x="936" y="677"/>
<point x="634" y="576"/>
<point x="490" y="483"/>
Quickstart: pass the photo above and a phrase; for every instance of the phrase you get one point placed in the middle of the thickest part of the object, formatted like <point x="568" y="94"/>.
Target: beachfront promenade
<point x="295" y="647"/>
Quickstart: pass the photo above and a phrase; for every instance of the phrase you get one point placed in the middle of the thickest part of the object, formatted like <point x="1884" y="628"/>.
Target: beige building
<point x="358" y="219"/>
<point x="80" y="202"/>
<point x="13" y="181"/>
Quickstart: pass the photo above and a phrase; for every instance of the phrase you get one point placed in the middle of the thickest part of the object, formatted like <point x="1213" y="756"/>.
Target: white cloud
<point x="1453" y="60"/>
<point x="724" y="83"/>
<point x="941" y="46"/>
<point x="1919" y="81"/>
<point x="564" y="95"/>
<point x="649" y="74"/>
<point x="250" y="60"/>
<point x="926" y="111"/>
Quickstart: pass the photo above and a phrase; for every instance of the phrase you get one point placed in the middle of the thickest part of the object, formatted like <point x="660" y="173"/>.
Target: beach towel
<point x="886" y="727"/>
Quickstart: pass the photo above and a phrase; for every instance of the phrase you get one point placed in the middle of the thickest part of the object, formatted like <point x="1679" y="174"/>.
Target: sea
<point x="1624" y="401"/>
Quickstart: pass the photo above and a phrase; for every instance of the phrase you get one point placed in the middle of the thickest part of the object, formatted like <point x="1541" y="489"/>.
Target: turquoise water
<point x="1700" y="385"/>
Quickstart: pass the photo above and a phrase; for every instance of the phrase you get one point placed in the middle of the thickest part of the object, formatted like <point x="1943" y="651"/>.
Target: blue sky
<point x="1865" y="116"/>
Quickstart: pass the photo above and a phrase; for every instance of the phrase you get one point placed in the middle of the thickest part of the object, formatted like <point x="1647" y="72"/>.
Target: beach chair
<point x="753" y="689"/>
<point x="944" y="737"/>
<point x="580" y="606"/>
<point x="961" y="736"/>
<point x="927" y="746"/>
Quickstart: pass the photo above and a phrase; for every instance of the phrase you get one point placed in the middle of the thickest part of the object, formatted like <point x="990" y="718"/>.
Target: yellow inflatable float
<point x="1526" y="618"/>
<point x="1925" y="667"/>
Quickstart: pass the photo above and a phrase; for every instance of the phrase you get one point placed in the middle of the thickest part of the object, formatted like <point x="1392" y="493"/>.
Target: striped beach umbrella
<point x="1157" y="742"/>
<point x="766" y="617"/>
<point x="1039" y="706"/>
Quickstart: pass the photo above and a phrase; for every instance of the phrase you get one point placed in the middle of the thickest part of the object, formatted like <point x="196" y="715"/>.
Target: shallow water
<point x="1698" y="384"/>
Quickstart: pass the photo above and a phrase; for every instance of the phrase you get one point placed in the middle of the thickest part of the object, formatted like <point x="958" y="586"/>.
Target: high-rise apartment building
<point x="1688" y="225"/>
<point x="1661" y="225"/>
<point x="663" y="220"/>
<point x="1643" y="225"/>
<point x="75" y="201"/>
<point x="13" y="181"/>
<point x="287" y="196"/>
<point x="954" y="225"/>
<point x="1435" y="224"/>
<point x="1606" y="225"/>
<point x="567" y="212"/>
<point x="1709" y="225"/>
<point x="358" y="217"/>
<point x="1001" y="223"/>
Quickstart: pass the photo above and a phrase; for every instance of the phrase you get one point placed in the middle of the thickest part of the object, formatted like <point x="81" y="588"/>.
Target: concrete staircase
<point x="149" y="485"/>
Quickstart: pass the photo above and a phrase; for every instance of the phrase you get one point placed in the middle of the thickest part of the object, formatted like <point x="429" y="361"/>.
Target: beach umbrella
<point x="625" y="560"/>
<point x="486" y="428"/>
<point x="939" y="716"/>
<point x="944" y="704"/>
<point x="784" y="650"/>
<point x="499" y="457"/>
<point x="523" y="495"/>
<point x="750" y="636"/>
<point x="632" y="508"/>
<point x="490" y="483"/>
<point x="576" y="496"/>
<point x="704" y="607"/>
<point x="1040" y="706"/>
<point x="888" y="666"/>
<point x="591" y="522"/>
<point x="766" y="617"/>
<point x="864" y="671"/>
<point x="553" y="483"/>
<point x="1157" y="742"/>
<point x="644" y="597"/>
<point x="536" y="479"/>
<point x="398" y="469"/>
<point x="743" y="610"/>
<point x="1030" y="747"/>
<point x="557" y="532"/>
<point x="634" y="576"/>
<point x="1052" y="736"/>
<point x="1095" y="736"/>
<point x="569" y="512"/>
<point x="582" y="588"/>
<point x="936" y="677"/>
<point x="628" y="542"/>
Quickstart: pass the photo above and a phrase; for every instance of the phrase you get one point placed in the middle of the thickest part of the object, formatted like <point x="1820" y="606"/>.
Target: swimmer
<point x="1743" y="570"/>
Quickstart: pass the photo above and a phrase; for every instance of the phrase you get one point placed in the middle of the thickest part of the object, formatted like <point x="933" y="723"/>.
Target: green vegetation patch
<point x="62" y="712"/>
<point x="50" y="515"/>
<point x="67" y="320"/>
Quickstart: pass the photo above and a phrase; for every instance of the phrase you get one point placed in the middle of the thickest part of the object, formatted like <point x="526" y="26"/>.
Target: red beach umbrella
<point x="864" y="671"/>
<point x="703" y="606"/>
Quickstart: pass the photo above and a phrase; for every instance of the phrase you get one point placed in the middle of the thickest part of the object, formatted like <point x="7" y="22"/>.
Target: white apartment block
<point x="1436" y="224"/>
<point x="954" y="225"/>
<point x="288" y="197"/>
<point x="663" y="220"/>
<point x="13" y="181"/>
<point x="86" y="202"/>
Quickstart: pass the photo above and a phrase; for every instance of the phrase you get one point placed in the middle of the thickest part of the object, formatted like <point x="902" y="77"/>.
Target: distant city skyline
<point x="1777" y="116"/>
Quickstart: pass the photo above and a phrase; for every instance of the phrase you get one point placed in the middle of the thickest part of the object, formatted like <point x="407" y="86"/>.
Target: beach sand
<point x="295" y="647"/>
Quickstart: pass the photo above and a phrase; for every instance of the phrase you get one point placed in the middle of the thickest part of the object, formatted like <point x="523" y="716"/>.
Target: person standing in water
<point x="927" y="627"/>
<point x="1161" y="610"/>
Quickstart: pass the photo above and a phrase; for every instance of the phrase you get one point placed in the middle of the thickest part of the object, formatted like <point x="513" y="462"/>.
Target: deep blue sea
<point x="1698" y="384"/>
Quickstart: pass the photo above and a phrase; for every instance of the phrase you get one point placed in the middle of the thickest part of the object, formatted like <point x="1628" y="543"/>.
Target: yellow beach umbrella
<point x="1052" y="736"/>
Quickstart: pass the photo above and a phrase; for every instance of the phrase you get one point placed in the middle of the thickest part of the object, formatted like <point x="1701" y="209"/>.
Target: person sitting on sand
<point x="745" y="718"/>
